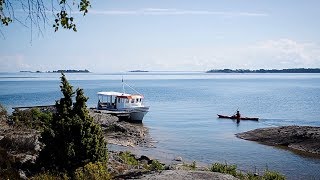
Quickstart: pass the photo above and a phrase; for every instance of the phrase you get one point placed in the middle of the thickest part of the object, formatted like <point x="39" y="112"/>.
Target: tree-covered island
<point x="60" y="71"/>
<point x="294" y="70"/>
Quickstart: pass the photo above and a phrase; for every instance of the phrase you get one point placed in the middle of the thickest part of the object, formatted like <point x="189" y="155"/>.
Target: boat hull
<point x="137" y="114"/>
<point x="234" y="117"/>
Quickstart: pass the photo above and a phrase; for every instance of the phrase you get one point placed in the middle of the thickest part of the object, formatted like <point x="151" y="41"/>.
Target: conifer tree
<point x="73" y="138"/>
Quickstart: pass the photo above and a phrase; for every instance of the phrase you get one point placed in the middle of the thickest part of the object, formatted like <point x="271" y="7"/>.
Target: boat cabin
<point x="118" y="101"/>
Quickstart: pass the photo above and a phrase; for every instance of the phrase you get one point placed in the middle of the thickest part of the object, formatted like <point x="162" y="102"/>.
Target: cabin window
<point x="127" y="100"/>
<point x="132" y="100"/>
<point x="118" y="100"/>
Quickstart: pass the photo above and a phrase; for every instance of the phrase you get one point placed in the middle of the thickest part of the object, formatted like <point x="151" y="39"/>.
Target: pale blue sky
<point x="123" y="35"/>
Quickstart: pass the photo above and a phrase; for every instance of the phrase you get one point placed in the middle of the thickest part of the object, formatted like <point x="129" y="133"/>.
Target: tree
<point x="73" y="139"/>
<point x="37" y="11"/>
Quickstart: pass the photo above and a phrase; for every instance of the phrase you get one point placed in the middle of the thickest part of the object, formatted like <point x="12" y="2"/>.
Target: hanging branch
<point x="37" y="12"/>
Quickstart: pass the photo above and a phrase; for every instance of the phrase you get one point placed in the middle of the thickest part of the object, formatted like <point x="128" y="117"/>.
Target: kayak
<point x="235" y="117"/>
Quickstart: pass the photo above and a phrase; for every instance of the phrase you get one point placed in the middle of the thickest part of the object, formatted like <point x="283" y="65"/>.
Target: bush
<point x="72" y="138"/>
<point x="224" y="168"/>
<point x="232" y="170"/>
<point x="93" y="171"/>
<point x="156" y="166"/>
<point x="272" y="175"/>
<point x="128" y="158"/>
<point x="31" y="118"/>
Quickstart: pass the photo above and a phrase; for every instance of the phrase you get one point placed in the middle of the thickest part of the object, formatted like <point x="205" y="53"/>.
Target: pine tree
<point x="73" y="138"/>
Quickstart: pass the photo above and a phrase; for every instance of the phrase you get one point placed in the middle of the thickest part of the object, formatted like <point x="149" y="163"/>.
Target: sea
<point x="182" y="120"/>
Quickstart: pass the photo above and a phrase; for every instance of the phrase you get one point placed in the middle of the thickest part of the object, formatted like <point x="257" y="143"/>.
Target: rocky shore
<point x="20" y="146"/>
<point x="301" y="138"/>
<point x="121" y="132"/>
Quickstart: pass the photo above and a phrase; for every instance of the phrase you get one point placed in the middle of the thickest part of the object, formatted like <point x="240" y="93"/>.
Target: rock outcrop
<point x="187" y="175"/>
<point x="302" y="138"/>
<point x="121" y="132"/>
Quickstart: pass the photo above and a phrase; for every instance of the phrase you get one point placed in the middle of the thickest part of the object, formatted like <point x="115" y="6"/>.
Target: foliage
<point x="224" y="168"/>
<point x="128" y="158"/>
<point x="272" y="175"/>
<point x="93" y="171"/>
<point x="232" y="170"/>
<point x="5" y="20"/>
<point x="31" y="118"/>
<point x="72" y="139"/>
<point x="36" y="12"/>
<point x="156" y="166"/>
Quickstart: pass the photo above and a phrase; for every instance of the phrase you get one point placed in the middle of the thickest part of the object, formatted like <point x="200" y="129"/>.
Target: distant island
<point x="295" y="70"/>
<point x="70" y="71"/>
<point x="60" y="71"/>
<point x="138" y="71"/>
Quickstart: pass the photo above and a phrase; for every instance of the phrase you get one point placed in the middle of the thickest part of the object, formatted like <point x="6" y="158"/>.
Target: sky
<point x="171" y="35"/>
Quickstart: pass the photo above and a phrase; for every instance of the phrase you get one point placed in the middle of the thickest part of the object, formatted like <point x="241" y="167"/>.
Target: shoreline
<point x="20" y="146"/>
<point x="303" y="140"/>
<point x="120" y="133"/>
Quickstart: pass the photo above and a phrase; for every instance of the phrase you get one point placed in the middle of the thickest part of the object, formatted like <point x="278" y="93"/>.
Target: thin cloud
<point x="165" y="12"/>
<point x="161" y="12"/>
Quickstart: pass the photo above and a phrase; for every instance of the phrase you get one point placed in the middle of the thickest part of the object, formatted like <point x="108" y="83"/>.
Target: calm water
<point x="182" y="118"/>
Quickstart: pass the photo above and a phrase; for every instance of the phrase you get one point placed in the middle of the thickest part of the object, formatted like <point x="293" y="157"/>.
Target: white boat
<point x="123" y="102"/>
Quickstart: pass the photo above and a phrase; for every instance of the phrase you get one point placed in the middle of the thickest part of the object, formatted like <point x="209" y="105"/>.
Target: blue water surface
<point x="183" y="112"/>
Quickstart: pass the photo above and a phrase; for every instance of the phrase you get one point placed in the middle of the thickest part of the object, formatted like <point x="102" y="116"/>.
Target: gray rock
<point x="121" y="132"/>
<point x="22" y="174"/>
<point x="178" y="158"/>
<point x="187" y="175"/>
<point x="302" y="138"/>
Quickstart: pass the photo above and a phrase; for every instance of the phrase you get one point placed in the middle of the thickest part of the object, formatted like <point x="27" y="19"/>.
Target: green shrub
<point x="31" y="118"/>
<point x="156" y="166"/>
<point x="92" y="171"/>
<point x="72" y="138"/>
<point x="272" y="175"/>
<point x="224" y="168"/>
<point x="232" y="170"/>
<point x="128" y="158"/>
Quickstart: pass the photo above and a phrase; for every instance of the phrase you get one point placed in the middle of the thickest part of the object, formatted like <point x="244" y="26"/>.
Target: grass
<point x="232" y="170"/>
